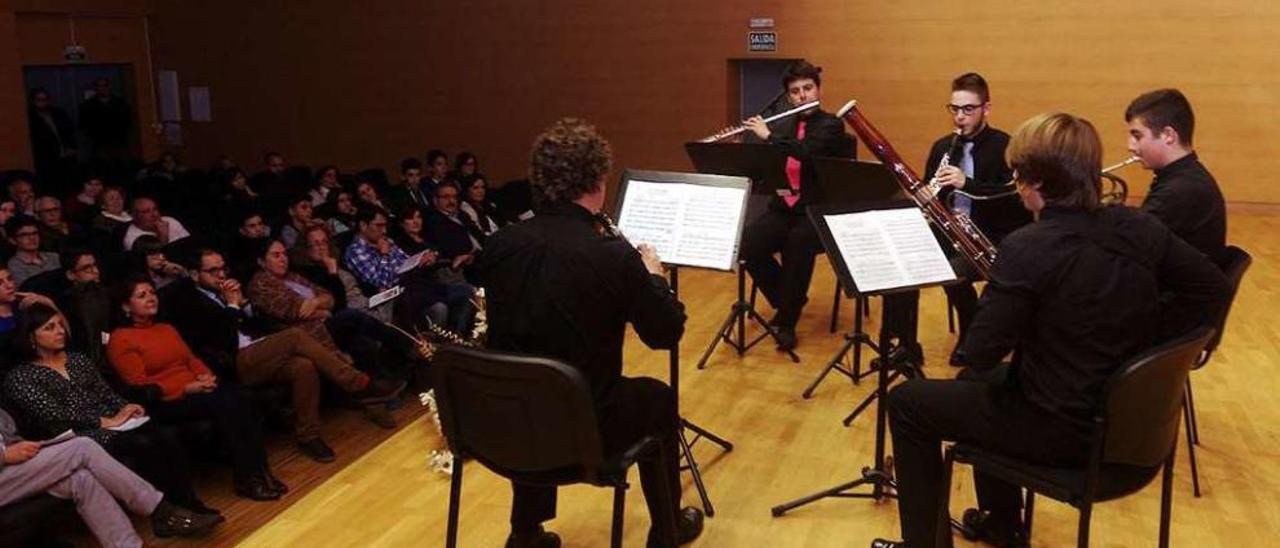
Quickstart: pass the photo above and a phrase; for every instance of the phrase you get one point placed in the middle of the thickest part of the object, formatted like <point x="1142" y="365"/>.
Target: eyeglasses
<point x="967" y="109"/>
<point x="215" y="270"/>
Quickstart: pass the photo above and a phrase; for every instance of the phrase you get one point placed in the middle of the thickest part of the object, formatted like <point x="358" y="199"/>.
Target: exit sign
<point x="762" y="41"/>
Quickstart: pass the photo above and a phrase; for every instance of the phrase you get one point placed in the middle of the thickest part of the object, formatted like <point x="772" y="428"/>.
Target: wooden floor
<point x="787" y="446"/>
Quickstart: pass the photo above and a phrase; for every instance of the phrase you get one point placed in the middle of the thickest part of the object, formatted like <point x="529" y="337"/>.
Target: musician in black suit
<point x="557" y="287"/>
<point x="784" y="227"/>
<point x="975" y="166"/>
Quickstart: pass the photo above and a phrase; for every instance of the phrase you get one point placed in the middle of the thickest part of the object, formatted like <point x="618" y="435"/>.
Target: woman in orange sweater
<point x="145" y="352"/>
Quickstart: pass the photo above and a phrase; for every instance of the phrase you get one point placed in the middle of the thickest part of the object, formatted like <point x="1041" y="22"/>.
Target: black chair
<point x="528" y="419"/>
<point x="1135" y="435"/>
<point x="34" y="521"/>
<point x="1234" y="263"/>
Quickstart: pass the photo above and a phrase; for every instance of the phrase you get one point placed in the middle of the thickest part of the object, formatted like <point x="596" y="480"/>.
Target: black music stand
<point x="876" y="476"/>
<point x="764" y="164"/>
<point x="843" y="183"/>
<point x="647" y="225"/>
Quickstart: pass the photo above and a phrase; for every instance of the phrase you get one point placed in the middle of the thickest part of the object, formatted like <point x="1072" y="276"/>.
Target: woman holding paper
<point x="54" y="391"/>
<point x="146" y="352"/>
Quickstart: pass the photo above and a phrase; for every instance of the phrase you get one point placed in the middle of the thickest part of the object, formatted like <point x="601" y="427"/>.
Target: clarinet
<point x="958" y="228"/>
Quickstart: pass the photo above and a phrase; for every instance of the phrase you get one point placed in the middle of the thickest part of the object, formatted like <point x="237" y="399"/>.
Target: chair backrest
<point x="1234" y="263"/>
<point x="516" y="413"/>
<point x="1144" y="402"/>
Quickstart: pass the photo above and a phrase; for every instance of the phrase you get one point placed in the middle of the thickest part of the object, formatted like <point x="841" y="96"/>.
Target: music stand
<point x="875" y="475"/>
<point x="654" y="204"/>
<point x="764" y="164"/>
<point x="842" y="183"/>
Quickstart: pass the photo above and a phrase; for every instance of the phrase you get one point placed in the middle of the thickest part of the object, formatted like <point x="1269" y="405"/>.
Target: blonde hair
<point x="1063" y="154"/>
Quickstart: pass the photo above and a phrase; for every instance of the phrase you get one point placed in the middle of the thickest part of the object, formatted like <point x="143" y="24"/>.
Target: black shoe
<point x="380" y="390"/>
<point x="274" y="482"/>
<point x="786" y="337"/>
<point x="168" y="520"/>
<point x="533" y="538"/>
<point x="882" y="543"/>
<point x="257" y="488"/>
<point x="317" y="450"/>
<point x="979" y="526"/>
<point x="688" y="527"/>
<point x="379" y="415"/>
<point x="959" y="358"/>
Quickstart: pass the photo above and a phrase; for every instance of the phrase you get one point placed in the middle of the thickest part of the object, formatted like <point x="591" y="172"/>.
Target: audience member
<point x="148" y="259"/>
<point x="465" y="165"/>
<point x="481" y="215"/>
<point x="24" y="234"/>
<point x="148" y="220"/>
<point x="53" y="141"/>
<point x="24" y="193"/>
<point x="105" y="118"/>
<point x="210" y="311"/>
<point x="327" y="181"/>
<point x="80" y="470"/>
<point x="316" y="258"/>
<point x="82" y="207"/>
<point x="146" y="352"/>
<point x="53" y="391"/>
<point x="411" y="233"/>
<point x="341" y="212"/>
<point x="112" y="213"/>
<point x="437" y="169"/>
<point x="55" y="231"/>
<point x="86" y="303"/>
<point x="409" y="192"/>
<point x="299" y="219"/>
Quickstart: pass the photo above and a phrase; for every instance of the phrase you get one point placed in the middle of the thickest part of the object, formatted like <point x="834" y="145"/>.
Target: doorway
<point x="69" y="88"/>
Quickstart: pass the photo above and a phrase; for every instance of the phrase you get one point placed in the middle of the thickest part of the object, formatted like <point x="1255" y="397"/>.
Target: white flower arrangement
<point x="441" y="460"/>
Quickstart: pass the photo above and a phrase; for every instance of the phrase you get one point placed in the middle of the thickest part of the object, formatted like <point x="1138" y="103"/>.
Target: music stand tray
<point x="763" y="163"/>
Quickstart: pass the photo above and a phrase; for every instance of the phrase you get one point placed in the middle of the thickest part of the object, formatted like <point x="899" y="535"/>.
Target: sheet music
<point x="889" y="248"/>
<point x="130" y="424"/>
<point x="412" y="262"/>
<point x="688" y="224"/>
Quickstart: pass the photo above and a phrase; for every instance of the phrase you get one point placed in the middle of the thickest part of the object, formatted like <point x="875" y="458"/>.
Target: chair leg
<point x="1082" y="532"/>
<point x="835" y="309"/>
<point x="455" y="493"/>
<point x="1028" y="512"/>
<point x="951" y="316"/>
<point x="1194" y="434"/>
<point x="619" y="501"/>
<point x="1191" y="451"/>
<point x="1166" y="501"/>
<point x="944" y="499"/>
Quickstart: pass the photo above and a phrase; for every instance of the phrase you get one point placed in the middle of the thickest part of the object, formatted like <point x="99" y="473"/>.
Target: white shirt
<point x="176" y="232"/>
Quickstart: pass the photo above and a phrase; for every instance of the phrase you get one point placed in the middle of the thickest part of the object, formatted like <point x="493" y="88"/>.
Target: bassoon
<point x="957" y="227"/>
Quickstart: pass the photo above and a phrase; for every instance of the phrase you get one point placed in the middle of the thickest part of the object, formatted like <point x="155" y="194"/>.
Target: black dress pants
<point x="962" y="295"/>
<point x="981" y="409"/>
<point x="235" y="421"/>
<point x="153" y="452"/>
<point x="641" y="407"/>
<point x="785" y="284"/>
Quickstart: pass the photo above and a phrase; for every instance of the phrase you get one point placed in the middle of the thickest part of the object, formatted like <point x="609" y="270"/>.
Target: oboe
<point x="731" y="131"/>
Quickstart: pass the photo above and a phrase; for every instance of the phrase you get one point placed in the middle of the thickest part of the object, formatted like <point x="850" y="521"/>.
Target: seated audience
<point x="340" y="212"/>
<point x="447" y="230"/>
<point x="480" y="215"/>
<point x="236" y="192"/>
<point x="251" y="230"/>
<point x="465" y="165"/>
<point x="369" y="195"/>
<point x="8" y="208"/>
<point x="292" y="300"/>
<point x="210" y="312"/>
<point x="411" y="231"/>
<point x="148" y="259"/>
<point x="377" y="262"/>
<point x="53" y="391"/>
<point x="86" y="303"/>
<point x="55" y="232"/>
<point x="437" y="170"/>
<point x="410" y="191"/>
<point x="167" y="167"/>
<point x="327" y="181"/>
<point x="146" y="352"/>
<point x="81" y="208"/>
<point x="315" y="257"/>
<point x="148" y="220"/>
<point x="80" y="470"/>
<point x="11" y="302"/>
<point x="28" y="260"/>
<point x="111" y="214"/>
<point x="299" y="219"/>
<point x="24" y="193"/>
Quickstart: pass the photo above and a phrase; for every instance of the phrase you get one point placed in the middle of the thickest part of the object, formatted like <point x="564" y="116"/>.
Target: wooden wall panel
<point x="368" y="84"/>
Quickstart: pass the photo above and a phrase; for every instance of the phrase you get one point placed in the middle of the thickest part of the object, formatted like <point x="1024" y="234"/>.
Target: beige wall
<point x="368" y="83"/>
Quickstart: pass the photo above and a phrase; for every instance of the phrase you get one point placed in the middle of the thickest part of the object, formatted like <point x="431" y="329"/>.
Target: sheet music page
<point x="688" y="224"/>
<point x="889" y="248"/>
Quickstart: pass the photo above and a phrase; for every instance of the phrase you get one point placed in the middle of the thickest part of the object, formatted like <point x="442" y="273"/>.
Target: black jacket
<point x="207" y="327"/>
<point x="996" y="218"/>
<point x="1186" y="198"/>
<point x="556" y="287"/>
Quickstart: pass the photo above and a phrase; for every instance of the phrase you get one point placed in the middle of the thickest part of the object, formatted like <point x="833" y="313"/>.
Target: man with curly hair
<point x="557" y="287"/>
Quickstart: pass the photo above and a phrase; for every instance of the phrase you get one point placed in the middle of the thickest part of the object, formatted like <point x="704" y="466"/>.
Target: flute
<point x="731" y="131"/>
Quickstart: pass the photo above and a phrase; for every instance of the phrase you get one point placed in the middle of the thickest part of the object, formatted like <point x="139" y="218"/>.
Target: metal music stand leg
<point x="852" y="341"/>
<point x="738" y="314"/>
<point x="686" y="446"/>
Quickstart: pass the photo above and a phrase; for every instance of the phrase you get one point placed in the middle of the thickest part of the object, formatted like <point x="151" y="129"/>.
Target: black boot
<point x="168" y="520"/>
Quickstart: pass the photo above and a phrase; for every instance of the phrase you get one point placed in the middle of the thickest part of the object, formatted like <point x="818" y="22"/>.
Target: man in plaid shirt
<point x="372" y="256"/>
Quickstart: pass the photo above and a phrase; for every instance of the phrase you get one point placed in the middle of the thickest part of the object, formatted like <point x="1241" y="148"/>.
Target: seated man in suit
<point x="211" y="313"/>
